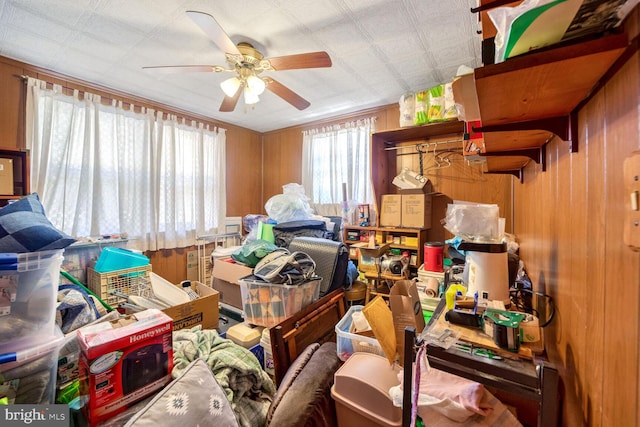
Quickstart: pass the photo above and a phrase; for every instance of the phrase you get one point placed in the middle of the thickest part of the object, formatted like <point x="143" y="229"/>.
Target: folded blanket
<point x="248" y="388"/>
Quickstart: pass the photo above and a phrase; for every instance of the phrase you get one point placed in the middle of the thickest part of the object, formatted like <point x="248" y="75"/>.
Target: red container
<point x="433" y="256"/>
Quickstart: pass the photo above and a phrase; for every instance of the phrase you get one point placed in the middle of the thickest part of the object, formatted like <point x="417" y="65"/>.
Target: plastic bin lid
<point x="363" y="384"/>
<point x="18" y="352"/>
<point x="113" y="259"/>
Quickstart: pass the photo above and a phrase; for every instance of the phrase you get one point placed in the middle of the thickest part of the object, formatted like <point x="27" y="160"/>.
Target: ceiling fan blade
<point x="229" y="102"/>
<point x="287" y="94"/>
<point x="183" y="68"/>
<point x="210" y="26"/>
<point x="302" y="60"/>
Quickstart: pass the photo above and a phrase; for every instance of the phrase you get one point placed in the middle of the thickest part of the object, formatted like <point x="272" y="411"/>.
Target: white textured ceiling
<point x="380" y="49"/>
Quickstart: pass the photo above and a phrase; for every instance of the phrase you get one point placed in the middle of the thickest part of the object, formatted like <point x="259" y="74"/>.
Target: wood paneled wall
<point x="569" y="220"/>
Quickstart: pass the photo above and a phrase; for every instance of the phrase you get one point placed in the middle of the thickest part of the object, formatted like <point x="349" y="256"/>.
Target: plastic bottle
<point x="265" y="342"/>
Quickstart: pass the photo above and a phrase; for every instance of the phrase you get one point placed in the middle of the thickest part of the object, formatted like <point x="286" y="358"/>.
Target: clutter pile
<point x="29" y="268"/>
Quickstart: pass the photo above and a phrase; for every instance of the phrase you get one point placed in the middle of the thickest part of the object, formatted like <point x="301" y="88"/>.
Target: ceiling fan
<point x="247" y="63"/>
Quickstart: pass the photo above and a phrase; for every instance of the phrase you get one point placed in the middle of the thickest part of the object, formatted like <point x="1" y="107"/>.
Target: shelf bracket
<point x="573" y="132"/>
<point x="516" y="172"/>
<point x="632" y="48"/>
<point x="538" y="155"/>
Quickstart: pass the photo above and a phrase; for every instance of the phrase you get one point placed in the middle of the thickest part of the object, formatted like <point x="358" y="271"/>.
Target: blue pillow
<point x="25" y="228"/>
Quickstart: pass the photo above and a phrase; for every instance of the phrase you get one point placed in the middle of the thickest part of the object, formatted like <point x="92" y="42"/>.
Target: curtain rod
<point x="146" y="104"/>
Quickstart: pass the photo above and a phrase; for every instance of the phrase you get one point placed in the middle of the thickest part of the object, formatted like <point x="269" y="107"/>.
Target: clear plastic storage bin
<point x="28" y="293"/>
<point x="349" y="343"/>
<point x="28" y="367"/>
<point x="267" y="304"/>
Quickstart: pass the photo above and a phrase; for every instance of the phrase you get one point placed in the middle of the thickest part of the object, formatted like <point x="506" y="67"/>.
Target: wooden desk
<point x="536" y="380"/>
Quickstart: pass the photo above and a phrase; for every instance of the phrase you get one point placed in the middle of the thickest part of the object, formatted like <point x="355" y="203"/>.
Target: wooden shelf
<point x="417" y="133"/>
<point x="524" y="101"/>
<point x="383" y="166"/>
<point x="544" y="84"/>
<point x="420" y="234"/>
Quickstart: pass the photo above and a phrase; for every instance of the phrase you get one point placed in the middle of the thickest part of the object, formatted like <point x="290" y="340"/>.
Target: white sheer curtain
<point x="107" y="170"/>
<point x="335" y="155"/>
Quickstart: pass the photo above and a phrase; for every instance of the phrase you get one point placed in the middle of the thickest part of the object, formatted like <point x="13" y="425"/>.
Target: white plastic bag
<point x="474" y="222"/>
<point x="291" y="205"/>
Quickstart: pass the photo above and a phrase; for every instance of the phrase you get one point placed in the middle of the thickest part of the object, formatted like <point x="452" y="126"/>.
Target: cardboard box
<point x="202" y="311"/>
<point x="124" y="361"/>
<point x="6" y="177"/>
<point x="225" y="279"/>
<point x="416" y="210"/>
<point x="391" y="211"/>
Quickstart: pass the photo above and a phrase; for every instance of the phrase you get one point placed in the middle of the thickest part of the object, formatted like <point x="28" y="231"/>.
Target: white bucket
<point x="265" y="342"/>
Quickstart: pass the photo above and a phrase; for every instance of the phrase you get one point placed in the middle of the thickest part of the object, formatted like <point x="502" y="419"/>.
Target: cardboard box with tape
<point x="202" y="311"/>
<point x="225" y="275"/>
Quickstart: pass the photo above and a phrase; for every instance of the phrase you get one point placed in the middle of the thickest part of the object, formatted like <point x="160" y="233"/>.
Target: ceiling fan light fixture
<point x="256" y="85"/>
<point x="230" y="86"/>
<point x="250" y="97"/>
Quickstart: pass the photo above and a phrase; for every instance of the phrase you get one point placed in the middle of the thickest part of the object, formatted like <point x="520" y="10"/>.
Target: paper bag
<point x="381" y="321"/>
<point x="406" y="311"/>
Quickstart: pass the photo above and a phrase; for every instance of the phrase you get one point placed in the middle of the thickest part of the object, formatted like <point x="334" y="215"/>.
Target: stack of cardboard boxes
<point x="409" y="208"/>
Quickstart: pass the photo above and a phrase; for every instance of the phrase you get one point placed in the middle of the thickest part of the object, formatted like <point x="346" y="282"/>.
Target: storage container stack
<point x="29" y="338"/>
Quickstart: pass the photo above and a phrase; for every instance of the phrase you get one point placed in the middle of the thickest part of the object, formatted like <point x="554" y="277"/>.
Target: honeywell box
<point x="416" y="209"/>
<point x="124" y="361"/>
<point x="391" y="210"/>
<point x="202" y="311"/>
<point x="225" y="279"/>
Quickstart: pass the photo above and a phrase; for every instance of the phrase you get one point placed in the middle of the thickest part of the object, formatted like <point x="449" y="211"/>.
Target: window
<point x="107" y="170"/>
<point x="334" y="159"/>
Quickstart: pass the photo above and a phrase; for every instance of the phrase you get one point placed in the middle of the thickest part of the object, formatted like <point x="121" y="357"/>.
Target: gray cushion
<point x="24" y="227"/>
<point x="194" y="398"/>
